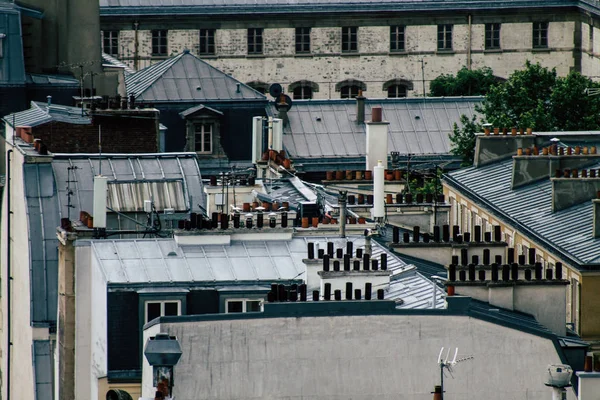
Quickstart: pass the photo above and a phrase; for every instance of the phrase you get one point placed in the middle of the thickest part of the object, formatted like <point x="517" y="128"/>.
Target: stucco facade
<point x="376" y="61"/>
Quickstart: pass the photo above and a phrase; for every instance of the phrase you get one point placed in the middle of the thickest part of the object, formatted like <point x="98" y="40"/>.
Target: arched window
<point x="350" y="88"/>
<point x="397" y="87"/>
<point x="259" y="86"/>
<point x="303" y="90"/>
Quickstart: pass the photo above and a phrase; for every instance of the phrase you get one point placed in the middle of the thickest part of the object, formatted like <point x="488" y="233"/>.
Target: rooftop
<point x="328" y="128"/>
<point x="153" y="7"/>
<point x="568" y="231"/>
<point x="186" y="78"/>
<point x="40" y="113"/>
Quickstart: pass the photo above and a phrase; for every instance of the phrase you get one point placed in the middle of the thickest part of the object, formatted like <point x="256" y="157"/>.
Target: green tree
<point x="571" y="107"/>
<point x="467" y="82"/>
<point x="463" y="139"/>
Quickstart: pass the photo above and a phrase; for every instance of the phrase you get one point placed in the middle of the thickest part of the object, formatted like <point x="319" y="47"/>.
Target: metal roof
<point x="40" y="113"/>
<point x="111" y="61"/>
<point x="529" y="209"/>
<point x="203" y="7"/>
<point x="328" y="128"/>
<point x="43" y="366"/>
<point x="185" y="77"/>
<point x="144" y="261"/>
<point x="54" y="80"/>
<point x="197" y="108"/>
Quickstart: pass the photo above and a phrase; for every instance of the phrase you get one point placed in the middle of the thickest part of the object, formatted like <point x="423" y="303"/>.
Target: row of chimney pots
<point x="281" y="293"/>
<point x="443" y="235"/>
<point x="359" y="175"/>
<point x="522" y="259"/>
<point x="554" y="150"/>
<point x="575" y="173"/>
<point x="505" y="272"/>
<point x="504" y="131"/>
<point x="398" y="198"/>
<point x="348" y="256"/>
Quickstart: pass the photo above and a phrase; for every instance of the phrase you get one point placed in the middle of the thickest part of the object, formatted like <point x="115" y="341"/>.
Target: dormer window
<point x="203" y="130"/>
<point x="203" y="134"/>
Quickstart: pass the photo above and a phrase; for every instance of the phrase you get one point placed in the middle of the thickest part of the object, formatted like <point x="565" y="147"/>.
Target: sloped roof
<point x="195" y="109"/>
<point x="111" y="61"/>
<point x="328" y="128"/>
<point x="178" y="78"/>
<point x="55" y="80"/>
<point x="40" y="113"/>
<point x="241" y="263"/>
<point x="154" y="7"/>
<point x="529" y="208"/>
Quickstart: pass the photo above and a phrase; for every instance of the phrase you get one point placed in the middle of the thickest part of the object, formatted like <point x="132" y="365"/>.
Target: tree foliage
<point x="463" y="139"/>
<point x="467" y="82"/>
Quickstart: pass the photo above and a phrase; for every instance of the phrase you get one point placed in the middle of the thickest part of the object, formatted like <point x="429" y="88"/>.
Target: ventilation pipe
<point x="360" y="108"/>
<point x="257" y="141"/>
<point x="277" y="135"/>
<point x="342" y="198"/>
<point x="100" y="194"/>
<point x="378" y="210"/>
<point x="377" y="139"/>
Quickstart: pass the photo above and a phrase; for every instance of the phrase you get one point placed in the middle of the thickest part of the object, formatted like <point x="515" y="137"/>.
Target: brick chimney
<point x="377" y="139"/>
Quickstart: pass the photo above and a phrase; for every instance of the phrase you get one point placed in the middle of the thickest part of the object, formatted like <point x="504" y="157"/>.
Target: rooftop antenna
<point x="449" y="365"/>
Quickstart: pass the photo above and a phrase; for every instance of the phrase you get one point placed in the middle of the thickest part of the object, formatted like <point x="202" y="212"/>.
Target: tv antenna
<point x="69" y="191"/>
<point x="445" y="363"/>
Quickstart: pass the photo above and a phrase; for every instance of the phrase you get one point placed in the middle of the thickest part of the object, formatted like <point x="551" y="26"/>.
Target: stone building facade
<point x="343" y="47"/>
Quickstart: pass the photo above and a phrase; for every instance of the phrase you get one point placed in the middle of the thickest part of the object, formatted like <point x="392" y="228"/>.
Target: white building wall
<point x="90" y="325"/>
<point x="22" y="377"/>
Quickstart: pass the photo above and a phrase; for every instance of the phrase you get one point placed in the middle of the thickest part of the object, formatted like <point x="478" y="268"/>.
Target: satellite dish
<point x="287" y="100"/>
<point x="275" y="90"/>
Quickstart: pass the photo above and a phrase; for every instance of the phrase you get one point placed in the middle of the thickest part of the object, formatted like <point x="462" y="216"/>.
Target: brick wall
<point x="121" y="133"/>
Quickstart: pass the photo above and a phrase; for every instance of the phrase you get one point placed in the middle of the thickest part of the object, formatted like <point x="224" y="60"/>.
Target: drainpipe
<point x="342" y="199"/>
<point x="470" y="18"/>
<point x="8" y="273"/>
<point x="136" y="45"/>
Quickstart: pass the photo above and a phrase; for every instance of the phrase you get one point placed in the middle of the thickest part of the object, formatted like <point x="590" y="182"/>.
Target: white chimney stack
<point x="100" y="195"/>
<point x="378" y="210"/>
<point x="377" y="139"/>
<point x="257" y="138"/>
<point x="277" y="143"/>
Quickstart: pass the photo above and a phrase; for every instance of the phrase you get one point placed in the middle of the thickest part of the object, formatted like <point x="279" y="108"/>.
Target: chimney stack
<point x="360" y="108"/>
<point x="377" y="140"/>
<point x="100" y="194"/>
<point x="378" y="210"/>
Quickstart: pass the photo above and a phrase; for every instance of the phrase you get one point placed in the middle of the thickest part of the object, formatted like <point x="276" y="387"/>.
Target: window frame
<point x="540" y="35"/>
<point x="244" y="301"/>
<point x="351" y="94"/>
<point x="397" y="39"/>
<point x="395" y="88"/>
<point x="162" y="307"/>
<point x="206" y="38"/>
<point x="159" y="48"/>
<point x="203" y="134"/>
<point x="302" y="40"/>
<point x="302" y="89"/>
<point x="349" y="39"/>
<point x="445" y="37"/>
<point x="492" y="36"/>
<point x="254" y="41"/>
<point x="113" y="42"/>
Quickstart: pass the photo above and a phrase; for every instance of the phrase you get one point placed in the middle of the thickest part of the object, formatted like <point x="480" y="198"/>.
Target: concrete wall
<point x="361" y="357"/>
<point x="22" y="378"/>
<point x="373" y="64"/>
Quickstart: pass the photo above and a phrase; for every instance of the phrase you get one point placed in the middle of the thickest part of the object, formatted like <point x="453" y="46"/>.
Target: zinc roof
<point x="114" y="62"/>
<point x="568" y="232"/>
<point x="144" y="261"/>
<point x="40" y="113"/>
<point x="328" y="128"/>
<point x="185" y="77"/>
<point x="149" y="7"/>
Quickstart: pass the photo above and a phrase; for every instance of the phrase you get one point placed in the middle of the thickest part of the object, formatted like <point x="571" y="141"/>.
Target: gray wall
<point x="355" y="357"/>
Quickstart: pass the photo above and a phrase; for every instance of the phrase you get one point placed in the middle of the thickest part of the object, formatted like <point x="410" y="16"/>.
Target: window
<point x="302" y="93"/>
<point x="540" y="35"/>
<point x="159" y="43"/>
<point x="259" y="86"/>
<point x="302" y="40"/>
<point x="110" y="43"/>
<point x="445" y="37"/>
<point x="350" y="92"/>
<point x="155" y="309"/>
<point x="349" y="39"/>
<point x="396" y="38"/>
<point x="203" y="135"/>
<point x="395" y="91"/>
<point x="492" y="36"/>
<point x="255" y="41"/>
<point x="207" y="41"/>
<point x="243" y="305"/>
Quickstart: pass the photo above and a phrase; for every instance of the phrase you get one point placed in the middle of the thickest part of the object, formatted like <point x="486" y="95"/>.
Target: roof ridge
<point x="166" y="64"/>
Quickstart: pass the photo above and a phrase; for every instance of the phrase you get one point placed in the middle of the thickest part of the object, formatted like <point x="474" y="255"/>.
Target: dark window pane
<point x="171" y="308"/>
<point x="252" y="306"/>
<point x="234" y="306"/>
<point x="152" y="311"/>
